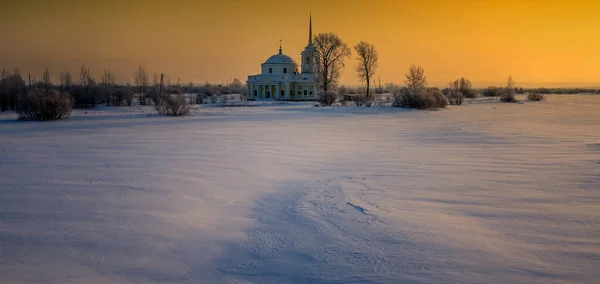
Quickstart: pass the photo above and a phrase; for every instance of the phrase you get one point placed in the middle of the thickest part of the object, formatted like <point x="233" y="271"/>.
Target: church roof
<point x="279" y="58"/>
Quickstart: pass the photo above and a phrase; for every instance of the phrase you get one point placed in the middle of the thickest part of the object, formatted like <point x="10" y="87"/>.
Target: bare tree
<point x="330" y="52"/>
<point x="141" y="82"/>
<point x="509" y="91"/>
<point x="65" y="81"/>
<point x="87" y="83"/>
<point x="368" y="60"/>
<point x="458" y="90"/>
<point x="4" y="96"/>
<point x="415" y="79"/>
<point x="155" y="81"/>
<point x="16" y="88"/>
<point x="107" y="80"/>
<point x="46" y="81"/>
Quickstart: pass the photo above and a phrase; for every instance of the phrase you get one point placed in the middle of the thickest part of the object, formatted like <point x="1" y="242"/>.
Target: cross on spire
<point x="280" y="51"/>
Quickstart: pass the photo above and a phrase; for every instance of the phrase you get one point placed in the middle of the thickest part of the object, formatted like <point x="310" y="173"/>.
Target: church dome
<point x="279" y="58"/>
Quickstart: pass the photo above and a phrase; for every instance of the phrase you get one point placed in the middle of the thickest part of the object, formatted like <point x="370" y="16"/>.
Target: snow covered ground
<point x="481" y="193"/>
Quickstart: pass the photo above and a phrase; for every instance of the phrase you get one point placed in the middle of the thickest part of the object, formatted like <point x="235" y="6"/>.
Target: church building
<point x="280" y="79"/>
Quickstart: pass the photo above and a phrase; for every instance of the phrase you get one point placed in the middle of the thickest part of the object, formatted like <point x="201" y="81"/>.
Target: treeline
<point x="85" y="90"/>
<point x="44" y="99"/>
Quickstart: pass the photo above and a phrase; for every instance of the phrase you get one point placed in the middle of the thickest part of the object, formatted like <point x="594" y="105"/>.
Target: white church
<point x="280" y="79"/>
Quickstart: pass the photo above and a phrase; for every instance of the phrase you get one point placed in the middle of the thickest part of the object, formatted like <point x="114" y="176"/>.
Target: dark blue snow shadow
<point x="282" y="114"/>
<point x="288" y="246"/>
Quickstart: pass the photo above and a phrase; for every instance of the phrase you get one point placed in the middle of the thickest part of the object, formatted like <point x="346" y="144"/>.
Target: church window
<point x="305" y="92"/>
<point x="308" y="60"/>
<point x="270" y="70"/>
<point x="284" y="70"/>
<point x="282" y="93"/>
<point x="255" y="93"/>
<point x="311" y="92"/>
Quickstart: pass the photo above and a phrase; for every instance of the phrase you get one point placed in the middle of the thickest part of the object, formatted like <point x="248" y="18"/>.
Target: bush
<point x="508" y="97"/>
<point x="424" y="99"/>
<point x="121" y="97"/>
<point x="536" y="97"/>
<point x="199" y="99"/>
<point x="492" y="92"/>
<point x="362" y="100"/>
<point x="470" y="93"/>
<point x="174" y="105"/>
<point x="40" y="104"/>
<point x="455" y="98"/>
<point x="327" y="98"/>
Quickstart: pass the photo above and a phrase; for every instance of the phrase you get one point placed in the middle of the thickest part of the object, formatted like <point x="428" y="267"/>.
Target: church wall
<point x="292" y="90"/>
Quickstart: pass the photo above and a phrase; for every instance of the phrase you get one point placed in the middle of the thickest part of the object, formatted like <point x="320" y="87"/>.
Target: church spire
<point x="310" y="30"/>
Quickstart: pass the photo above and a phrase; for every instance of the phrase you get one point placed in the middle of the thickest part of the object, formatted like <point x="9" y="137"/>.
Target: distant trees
<point x="492" y="91"/>
<point x="330" y="53"/>
<point x="88" y="95"/>
<point x="415" y="79"/>
<point x="455" y="97"/>
<point x="458" y="90"/>
<point x="41" y="104"/>
<point x="236" y="84"/>
<point x="123" y="96"/>
<point x="65" y="79"/>
<point x="12" y="87"/>
<point x="107" y="79"/>
<point x="416" y="94"/>
<point x="464" y="87"/>
<point x="536" y="97"/>
<point x="327" y="98"/>
<point x="46" y="81"/>
<point x="4" y="96"/>
<point x="141" y="82"/>
<point x="509" y="91"/>
<point x="368" y="61"/>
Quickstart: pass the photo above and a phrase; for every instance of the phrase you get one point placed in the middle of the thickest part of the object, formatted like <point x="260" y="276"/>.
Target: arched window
<point x="305" y="93"/>
<point x="270" y="70"/>
<point x="308" y="60"/>
<point x="284" y="70"/>
<point x="255" y="93"/>
<point x="282" y="93"/>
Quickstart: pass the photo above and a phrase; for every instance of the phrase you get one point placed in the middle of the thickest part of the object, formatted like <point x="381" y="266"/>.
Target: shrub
<point x="121" y="97"/>
<point x="470" y="93"/>
<point x="174" y="105"/>
<point x="362" y="100"/>
<point x="455" y="98"/>
<point x="536" y="97"/>
<point x="327" y="98"/>
<point x="492" y="92"/>
<point x="424" y="99"/>
<point x="199" y="99"/>
<point x="41" y="104"/>
<point x="508" y="98"/>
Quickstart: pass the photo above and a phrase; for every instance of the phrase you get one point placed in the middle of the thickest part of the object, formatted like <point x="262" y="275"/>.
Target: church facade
<point x="280" y="78"/>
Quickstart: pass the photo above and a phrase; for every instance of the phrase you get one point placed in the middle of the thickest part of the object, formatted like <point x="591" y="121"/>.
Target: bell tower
<point x="308" y="55"/>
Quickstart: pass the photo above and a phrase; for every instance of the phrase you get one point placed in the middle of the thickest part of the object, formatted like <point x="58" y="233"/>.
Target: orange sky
<point x="539" y="42"/>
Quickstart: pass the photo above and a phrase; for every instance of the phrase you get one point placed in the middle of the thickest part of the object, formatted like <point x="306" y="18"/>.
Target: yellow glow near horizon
<point x="539" y="43"/>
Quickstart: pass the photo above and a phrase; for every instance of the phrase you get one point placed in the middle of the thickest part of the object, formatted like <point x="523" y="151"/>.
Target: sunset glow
<point x="539" y="43"/>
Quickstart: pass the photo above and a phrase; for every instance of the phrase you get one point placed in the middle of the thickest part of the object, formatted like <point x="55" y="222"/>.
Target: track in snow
<point x="329" y="232"/>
